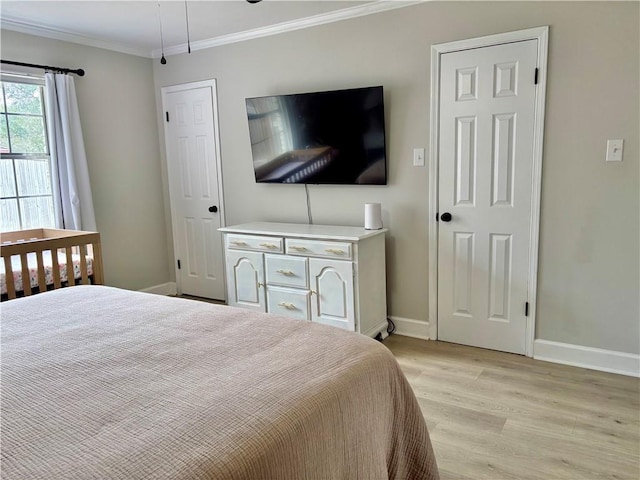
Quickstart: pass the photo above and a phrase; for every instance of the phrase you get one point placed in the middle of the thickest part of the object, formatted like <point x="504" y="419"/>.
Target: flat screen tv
<point x="335" y="137"/>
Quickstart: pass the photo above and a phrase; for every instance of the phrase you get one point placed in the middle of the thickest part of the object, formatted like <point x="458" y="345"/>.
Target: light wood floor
<point x="494" y="415"/>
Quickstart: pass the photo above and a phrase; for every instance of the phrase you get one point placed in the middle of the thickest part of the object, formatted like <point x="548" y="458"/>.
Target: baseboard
<point x="169" y="288"/>
<point x="408" y="327"/>
<point x="587" y="357"/>
<point x="380" y="328"/>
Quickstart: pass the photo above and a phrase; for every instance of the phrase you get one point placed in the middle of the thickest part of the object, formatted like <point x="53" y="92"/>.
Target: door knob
<point x="446" y="217"/>
<point x="213" y="209"/>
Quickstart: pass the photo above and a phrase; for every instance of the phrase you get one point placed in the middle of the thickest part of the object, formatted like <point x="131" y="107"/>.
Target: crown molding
<point x="315" y="20"/>
<point x="58" y="34"/>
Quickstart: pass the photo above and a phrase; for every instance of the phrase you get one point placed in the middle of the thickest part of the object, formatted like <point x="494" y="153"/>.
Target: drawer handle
<point x="269" y="245"/>
<point x="298" y="249"/>
<point x="237" y="242"/>
<point x="335" y="251"/>
<point x="288" y="306"/>
<point x="288" y="273"/>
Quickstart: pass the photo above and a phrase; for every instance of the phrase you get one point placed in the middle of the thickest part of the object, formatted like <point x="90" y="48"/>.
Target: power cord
<point x="306" y="189"/>
<point x="391" y="327"/>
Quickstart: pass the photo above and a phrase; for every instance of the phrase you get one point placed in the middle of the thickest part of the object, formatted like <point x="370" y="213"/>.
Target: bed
<point x="99" y="382"/>
<point x="45" y="259"/>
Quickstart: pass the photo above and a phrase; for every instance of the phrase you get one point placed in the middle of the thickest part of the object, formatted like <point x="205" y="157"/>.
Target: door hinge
<point x="526" y="309"/>
<point x="535" y="78"/>
<point x="179" y="266"/>
<point x="167" y="114"/>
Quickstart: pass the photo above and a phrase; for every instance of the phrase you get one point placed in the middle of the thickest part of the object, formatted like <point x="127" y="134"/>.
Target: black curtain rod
<point x="79" y="71"/>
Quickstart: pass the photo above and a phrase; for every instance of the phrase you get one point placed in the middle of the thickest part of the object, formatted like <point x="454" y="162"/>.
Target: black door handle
<point x="446" y="217"/>
<point x="213" y="209"/>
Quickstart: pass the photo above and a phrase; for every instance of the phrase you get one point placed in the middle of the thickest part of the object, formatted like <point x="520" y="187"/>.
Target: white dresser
<point x="322" y="273"/>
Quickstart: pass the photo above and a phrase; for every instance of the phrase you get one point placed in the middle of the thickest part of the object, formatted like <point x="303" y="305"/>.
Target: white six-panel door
<point x="192" y="167"/>
<point x="486" y="141"/>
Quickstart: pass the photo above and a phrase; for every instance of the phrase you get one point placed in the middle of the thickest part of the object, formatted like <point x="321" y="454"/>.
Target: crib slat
<point x="83" y="264"/>
<point x="11" y="288"/>
<point x="26" y="277"/>
<point x="42" y="282"/>
<point x="71" y="277"/>
<point x="98" y="272"/>
<point x="55" y="268"/>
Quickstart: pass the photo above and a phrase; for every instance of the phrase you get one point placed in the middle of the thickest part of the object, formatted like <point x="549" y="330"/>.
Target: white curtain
<point x="71" y="189"/>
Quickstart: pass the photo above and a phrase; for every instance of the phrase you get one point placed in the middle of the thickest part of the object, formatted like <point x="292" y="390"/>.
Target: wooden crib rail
<point x="37" y="241"/>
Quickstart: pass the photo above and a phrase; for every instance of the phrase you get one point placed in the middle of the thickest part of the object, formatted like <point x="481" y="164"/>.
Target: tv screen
<point x="334" y="137"/>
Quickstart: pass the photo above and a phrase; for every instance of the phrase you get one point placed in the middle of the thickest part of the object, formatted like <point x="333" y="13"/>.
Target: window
<point x="26" y="197"/>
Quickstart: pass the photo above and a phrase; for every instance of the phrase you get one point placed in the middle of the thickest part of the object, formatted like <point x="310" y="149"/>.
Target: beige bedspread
<point x="103" y="383"/>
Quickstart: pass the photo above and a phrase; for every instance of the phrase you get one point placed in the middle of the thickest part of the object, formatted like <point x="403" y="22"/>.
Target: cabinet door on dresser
<point x="245" y="280"/>
<point x="332" y="301"/>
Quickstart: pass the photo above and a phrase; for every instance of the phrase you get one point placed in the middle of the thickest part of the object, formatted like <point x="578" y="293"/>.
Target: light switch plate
<point x="614" y="150"/>
<point x="418" y="157"/>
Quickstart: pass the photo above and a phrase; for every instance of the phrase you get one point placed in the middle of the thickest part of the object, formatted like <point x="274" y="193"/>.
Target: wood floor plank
<point x="590" y="391"/>
<point x="440" y="412"/>
<point x="613" y="441"/>
<point x="497" y="416"/>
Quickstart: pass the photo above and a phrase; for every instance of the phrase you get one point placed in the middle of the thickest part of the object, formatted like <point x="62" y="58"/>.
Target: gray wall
<point x="117" y="109"/>
<point x="589" y="258"/>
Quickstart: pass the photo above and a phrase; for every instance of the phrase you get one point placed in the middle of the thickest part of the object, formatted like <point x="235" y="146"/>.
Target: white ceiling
<point x="133" y="26"/>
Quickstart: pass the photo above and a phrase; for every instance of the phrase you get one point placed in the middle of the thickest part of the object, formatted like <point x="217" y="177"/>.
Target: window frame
<point x="44" y="156"/>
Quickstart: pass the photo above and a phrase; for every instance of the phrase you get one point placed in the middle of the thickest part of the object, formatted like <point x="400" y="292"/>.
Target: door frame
<point x="541" y="34"/>
<point x="211" y="83"/>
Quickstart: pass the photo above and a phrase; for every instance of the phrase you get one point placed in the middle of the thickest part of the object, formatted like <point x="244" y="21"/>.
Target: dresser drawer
<point x="287" y="271"/>
<point x="315" y="248"/>
<point x="288" y="302"/>
<point x="254" y="242"/>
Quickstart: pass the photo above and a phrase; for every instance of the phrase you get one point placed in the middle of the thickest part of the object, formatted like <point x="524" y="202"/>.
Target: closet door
<point x="487" y="121"/>
<point x="195" y="184"/>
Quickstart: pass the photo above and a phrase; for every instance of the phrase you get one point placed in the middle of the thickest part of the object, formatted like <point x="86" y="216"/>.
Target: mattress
<point x="16" y="266"/>
<point x="99" y="382"/>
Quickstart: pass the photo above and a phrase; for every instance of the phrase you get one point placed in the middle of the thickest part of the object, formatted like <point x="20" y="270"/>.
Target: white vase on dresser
<point x="321" y="273"/>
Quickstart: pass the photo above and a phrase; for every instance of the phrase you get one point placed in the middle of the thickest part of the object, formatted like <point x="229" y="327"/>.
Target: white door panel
<point x="487" y="101"/>
<point x="192" y="167"/>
